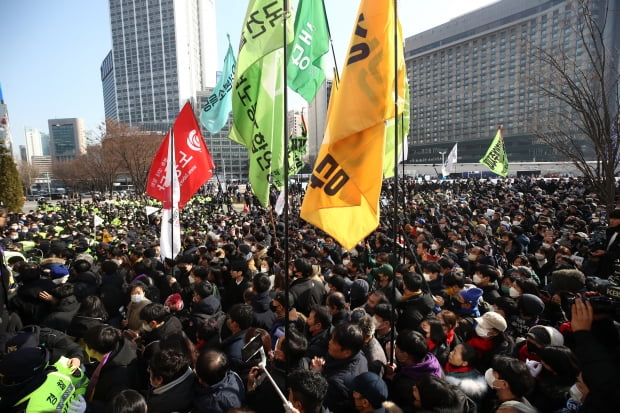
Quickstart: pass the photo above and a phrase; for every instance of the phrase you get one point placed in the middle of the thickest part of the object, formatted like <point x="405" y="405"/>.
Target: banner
<point x="450" y="161"/>
<point x="402" y="144"/>
<point x="214" y="113"/>
<point x="258" y="94"/>
<point x="496" y="159"/>
<point x="305" y="71"/>
<point x="190" y="160"/>
<point x="343" y="193"/>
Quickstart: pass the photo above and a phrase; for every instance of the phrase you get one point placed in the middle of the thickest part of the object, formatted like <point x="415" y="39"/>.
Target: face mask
<point x="482" y="332"/>
<point x="427" y="276"/>
<point x="539" y="257"/>
<point x="505" y="289"/>
<point x="477" y="279"/>
<point x="253" y="248"/>
<point x="14" y="237"/>
<point x="118" y="262"/>
<point x="60" y="280"/>
<point x="376" y="322"/>
<point x="450" y="291"/>
<point x="264" y="269"/>
<point x="191" y="279"/>
<point x="472" y="257"/>
<point x="516" y="222"/>
<point x="14" y="227"/>
<point x="545" y="245"/>
<point x="147" y="328"/>
<point x="136" y="298"/>
<point x="513" y="292"/>
<point x="346" y="262"/>
<point x="442" y="226"/>
<point x="489" y="377"/>
<point x="575" y="393"/>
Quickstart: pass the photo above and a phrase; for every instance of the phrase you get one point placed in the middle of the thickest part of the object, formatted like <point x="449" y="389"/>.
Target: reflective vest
<point x="54" y="395"/>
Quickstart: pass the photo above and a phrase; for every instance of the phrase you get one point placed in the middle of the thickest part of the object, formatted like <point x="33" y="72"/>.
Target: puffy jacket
<point x="229" y="393"/>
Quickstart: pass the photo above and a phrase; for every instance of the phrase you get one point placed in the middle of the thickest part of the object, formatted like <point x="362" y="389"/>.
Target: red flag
<point x="191" y="161"/>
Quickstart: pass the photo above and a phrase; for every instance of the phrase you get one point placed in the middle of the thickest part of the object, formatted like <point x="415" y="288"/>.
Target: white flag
<point x="280" y="204"/>
<point x="170" y="238"/>
<point x="98" y="221"/>
<point x="450" y="161"/>
<point x="151" y="210"/>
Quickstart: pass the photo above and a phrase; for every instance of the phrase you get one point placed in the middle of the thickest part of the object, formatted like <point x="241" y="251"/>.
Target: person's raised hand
<point x="581" y="315"/>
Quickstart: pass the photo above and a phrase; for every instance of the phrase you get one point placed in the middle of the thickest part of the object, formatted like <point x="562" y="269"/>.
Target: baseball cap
<point x="492" y="319"/>
<point x="370" y="386"/>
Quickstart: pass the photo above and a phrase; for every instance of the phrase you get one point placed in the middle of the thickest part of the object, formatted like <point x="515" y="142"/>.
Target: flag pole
<point x="172" y="172"/>
<point x="285" y="189"/>
<point x="395" y="229"/>
<point x="337" y="75"/>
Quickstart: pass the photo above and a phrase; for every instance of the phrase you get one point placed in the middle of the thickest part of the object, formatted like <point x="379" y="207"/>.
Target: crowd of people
<point x="478" y="296"/>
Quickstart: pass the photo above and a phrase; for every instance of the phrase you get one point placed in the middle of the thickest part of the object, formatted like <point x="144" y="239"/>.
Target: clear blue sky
<point x="52" y="51"/>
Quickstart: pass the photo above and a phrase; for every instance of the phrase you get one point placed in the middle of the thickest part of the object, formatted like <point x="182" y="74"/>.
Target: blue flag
<point x="214" y="113"/>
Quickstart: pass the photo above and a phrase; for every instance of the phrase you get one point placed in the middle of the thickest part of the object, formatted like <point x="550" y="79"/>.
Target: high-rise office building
<point x="478" y="71"/>
<point x="315" y="120"/>
<point x="5" y="125"/>
<point x="163" y="53"/>
<point x="34" y="143"/>
<point x="67" y="139"/>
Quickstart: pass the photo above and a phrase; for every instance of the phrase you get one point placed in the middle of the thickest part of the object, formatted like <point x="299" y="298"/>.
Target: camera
<point x="607" y="299"/>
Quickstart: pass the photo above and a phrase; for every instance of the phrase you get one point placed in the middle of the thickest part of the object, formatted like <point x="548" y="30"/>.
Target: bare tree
<point x="28" y="174"/>
<point x="134" y="149"/>
<point x="584" y="81"/>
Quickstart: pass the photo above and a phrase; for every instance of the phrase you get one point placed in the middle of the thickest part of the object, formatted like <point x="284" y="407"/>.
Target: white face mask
<point x="60" y="280"/>
<point x="489" y="377"/>
<point x="264" y="268"/>
<point x="516" y="222"/>
<point x="147" y="328"/>
<point x="513" y="292"/>
<point x="191" y="279"/>
<point x="346" y="262"/>
<point x="136" y="298"/>
<point x="544" y="244"/>
<point x="482" y="332"/>
<point x="477" y="279"/>
<point x="539" y="257"/>
<point x="376" y="322"/>
<point x="575" y="393"/>
<point x="427" y="276"/>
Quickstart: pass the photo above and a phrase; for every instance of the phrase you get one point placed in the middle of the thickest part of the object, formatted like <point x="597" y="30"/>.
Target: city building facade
<point x="480" y="70"/>
<point x="163" y="53"/>
<point x="67" y="139"/>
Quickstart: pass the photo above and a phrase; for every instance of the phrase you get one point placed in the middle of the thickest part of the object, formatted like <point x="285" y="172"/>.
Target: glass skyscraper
<point x="163" y="53"/>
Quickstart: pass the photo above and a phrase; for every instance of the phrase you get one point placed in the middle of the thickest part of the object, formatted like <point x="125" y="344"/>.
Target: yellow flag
<point x="343" y="194"/>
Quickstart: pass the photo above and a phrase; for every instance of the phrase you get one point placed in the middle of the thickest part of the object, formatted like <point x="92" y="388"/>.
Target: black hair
<point x="242" y="314"/>
<point x="261" y="283"/>
<point x="488" y="271"/>
<point x="304" y="266"/>
<point x="103" y="338"/>
<point x="436" y="394"/>
<point x="336" y="300"/>
<point x="322" y="315"/>
<point x="563" y="361"/>
<point x="92" y="306"/>
<point x="81" y="266"/>
<point x="431" y="266"/>
<point x="138" y="284"/>
<point x="338" y="282"/>
<point x="211" y="366"/>
<point x="413" y="281"/>
<point x="349" y="336"/>
<point x="154" y="312"/>
<point x="109" y="267"/>
<point x="168" y="364"/>
<point x="469" y="354"/>
<point x="203" y="289"/>
<point x="309" y="388"/>
<point x="452" y="279"/>
<point x="201" y="272"/>
<point x="413" y="343"/>
<point x="295" y="344"/>
<point x="515" y="372"/>
<point x="385" y="311"/>
<point x="129" y="401"/>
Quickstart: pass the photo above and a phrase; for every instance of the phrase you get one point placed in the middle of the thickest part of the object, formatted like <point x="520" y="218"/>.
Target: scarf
<point x="90" y="390"/>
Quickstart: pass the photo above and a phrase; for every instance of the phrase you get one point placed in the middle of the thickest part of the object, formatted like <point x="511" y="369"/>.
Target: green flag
<point x="496" y="159"/>
<point x="258" y="98"/>
<point x="305" y="72"/>
<point x="402" y="144"/>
